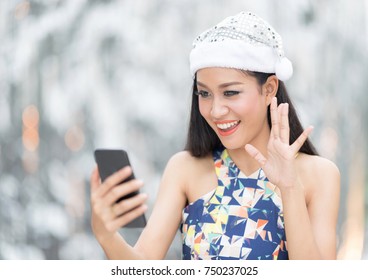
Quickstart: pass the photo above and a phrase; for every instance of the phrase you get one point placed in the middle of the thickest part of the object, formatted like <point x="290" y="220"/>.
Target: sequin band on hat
<point x="244" y="41"/>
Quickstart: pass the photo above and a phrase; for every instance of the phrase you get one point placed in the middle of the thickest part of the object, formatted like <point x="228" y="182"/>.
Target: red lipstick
<point x="228" y="127"/>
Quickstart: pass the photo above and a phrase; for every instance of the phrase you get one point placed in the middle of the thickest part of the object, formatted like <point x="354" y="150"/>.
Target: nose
<point x="219" y="108"/>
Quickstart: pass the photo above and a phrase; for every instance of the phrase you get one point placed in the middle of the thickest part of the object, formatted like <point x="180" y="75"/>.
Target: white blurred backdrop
<point x="76" y="75"/>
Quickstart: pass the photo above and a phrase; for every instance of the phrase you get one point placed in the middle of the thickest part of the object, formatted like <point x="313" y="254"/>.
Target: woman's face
<point x="234" y="105"/>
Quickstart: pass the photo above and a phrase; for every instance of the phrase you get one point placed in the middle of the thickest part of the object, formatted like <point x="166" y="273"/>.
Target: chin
<point x="232" y="146"/>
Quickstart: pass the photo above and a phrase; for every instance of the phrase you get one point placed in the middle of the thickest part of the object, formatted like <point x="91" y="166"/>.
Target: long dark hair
<point x="202" y="140"/>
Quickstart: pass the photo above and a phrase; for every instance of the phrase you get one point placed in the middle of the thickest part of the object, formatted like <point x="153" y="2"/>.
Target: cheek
<point x="204" y="108"/>
<point x="242" y="108"/>
<point x="247" y="108"/>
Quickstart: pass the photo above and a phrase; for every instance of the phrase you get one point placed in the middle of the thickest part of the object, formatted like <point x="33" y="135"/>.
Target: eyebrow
<point x="224" y="85"/>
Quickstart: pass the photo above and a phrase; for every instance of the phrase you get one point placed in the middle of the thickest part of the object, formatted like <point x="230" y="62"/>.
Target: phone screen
<point x="110" y="161"/>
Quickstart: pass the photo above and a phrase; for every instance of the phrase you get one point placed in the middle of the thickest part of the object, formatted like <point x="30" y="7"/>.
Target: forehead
<point x="220" y="75"/>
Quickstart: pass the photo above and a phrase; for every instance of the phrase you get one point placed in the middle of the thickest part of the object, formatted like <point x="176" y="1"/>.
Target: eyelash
<point x="206" y="94"/>
<point x="202" y="93"/>
<point x="232" y="93"/>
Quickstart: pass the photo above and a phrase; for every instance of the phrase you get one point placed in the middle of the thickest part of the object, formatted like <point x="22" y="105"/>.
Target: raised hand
<point x="108" y="216"/>
<point x="279" y="163"/>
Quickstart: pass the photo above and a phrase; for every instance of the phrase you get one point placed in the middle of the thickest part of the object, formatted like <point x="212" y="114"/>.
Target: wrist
<point x="292" y="184"/>
<point x="295" y="187"/>
<point x="105" y="237"/>
<point x="293" y="194"/>
<point x="100" y="232"/>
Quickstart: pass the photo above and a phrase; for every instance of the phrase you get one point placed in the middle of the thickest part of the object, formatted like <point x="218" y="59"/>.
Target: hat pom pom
<point x="284" y="69"/>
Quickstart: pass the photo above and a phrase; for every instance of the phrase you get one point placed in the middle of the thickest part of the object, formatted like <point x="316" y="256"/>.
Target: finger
<point x="284" y="123"/>
<point x="256" y="154"/>
<point x="122" y="190"/>
<point x="301" y="139"/>
<point x="102" y="211"/>
<point x="116" y="224"/>
<point x="129" y="204"/>
<point x="274" y="118"/>
<point x="95" y="179"/>
<point x="114" y="180"/>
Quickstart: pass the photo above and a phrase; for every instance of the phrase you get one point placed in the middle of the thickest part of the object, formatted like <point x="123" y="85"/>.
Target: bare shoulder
<point x="318" y="172"/>
<point x="317" y="165"/>
<point x="181" y="157"/>
<point x="195" y="176"/>
<point x="186" y="163"/>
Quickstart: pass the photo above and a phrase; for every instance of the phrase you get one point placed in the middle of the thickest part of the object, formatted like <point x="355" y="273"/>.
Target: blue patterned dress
<point x="241" y="219"/>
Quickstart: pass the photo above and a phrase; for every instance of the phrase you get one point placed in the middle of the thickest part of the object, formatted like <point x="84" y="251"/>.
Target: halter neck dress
<point x="242" y="218"/>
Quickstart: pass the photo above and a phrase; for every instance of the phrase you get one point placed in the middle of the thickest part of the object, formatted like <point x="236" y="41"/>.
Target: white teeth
<point x="227" y="125"/>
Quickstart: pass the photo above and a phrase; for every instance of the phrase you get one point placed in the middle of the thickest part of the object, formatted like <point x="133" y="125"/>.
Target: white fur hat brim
<point x="239" y="55"/>
<point x="244" y="41"/>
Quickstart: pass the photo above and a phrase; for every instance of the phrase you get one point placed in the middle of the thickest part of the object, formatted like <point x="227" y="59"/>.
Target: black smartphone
<point x="108" y="162"/>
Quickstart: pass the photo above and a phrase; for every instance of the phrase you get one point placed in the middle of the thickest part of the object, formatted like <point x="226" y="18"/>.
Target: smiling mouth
<point x="227" y="126"/>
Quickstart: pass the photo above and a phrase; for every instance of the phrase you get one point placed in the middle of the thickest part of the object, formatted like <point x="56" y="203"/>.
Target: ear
<point x="269" y="88"/>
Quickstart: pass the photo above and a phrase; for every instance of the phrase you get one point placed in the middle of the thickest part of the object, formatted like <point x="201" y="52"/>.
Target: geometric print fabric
<point x="241" y="219"/>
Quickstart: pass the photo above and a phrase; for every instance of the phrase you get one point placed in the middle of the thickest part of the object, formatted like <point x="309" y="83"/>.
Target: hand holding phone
<point x="110" y="161"/>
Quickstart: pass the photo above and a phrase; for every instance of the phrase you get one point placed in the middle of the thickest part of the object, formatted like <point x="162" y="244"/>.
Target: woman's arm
<point x="310" y="229"/>
<point x="108" y="217"/>
<point x="311" y="226"/>
<point x="162" y="225"/>
<point x="166" y="216"/>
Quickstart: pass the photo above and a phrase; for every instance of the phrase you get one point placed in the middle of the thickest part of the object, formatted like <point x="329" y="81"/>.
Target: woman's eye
<point x="231" y="93"/>
<point x="203" y="93"/>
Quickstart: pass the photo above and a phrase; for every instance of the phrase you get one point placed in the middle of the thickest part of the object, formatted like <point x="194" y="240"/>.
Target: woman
<point x="249" y="185"/>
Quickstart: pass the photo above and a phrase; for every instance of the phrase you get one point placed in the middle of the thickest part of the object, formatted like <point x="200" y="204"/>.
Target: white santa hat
<point x="244" y="41"/>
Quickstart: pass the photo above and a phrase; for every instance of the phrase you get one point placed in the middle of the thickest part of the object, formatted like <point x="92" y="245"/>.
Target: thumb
<point x="95" y="179"/>
<point x="256" y="154"/>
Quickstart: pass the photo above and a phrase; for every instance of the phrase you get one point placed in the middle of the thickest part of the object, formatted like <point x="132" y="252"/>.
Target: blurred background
<point x="76" y="75"/>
